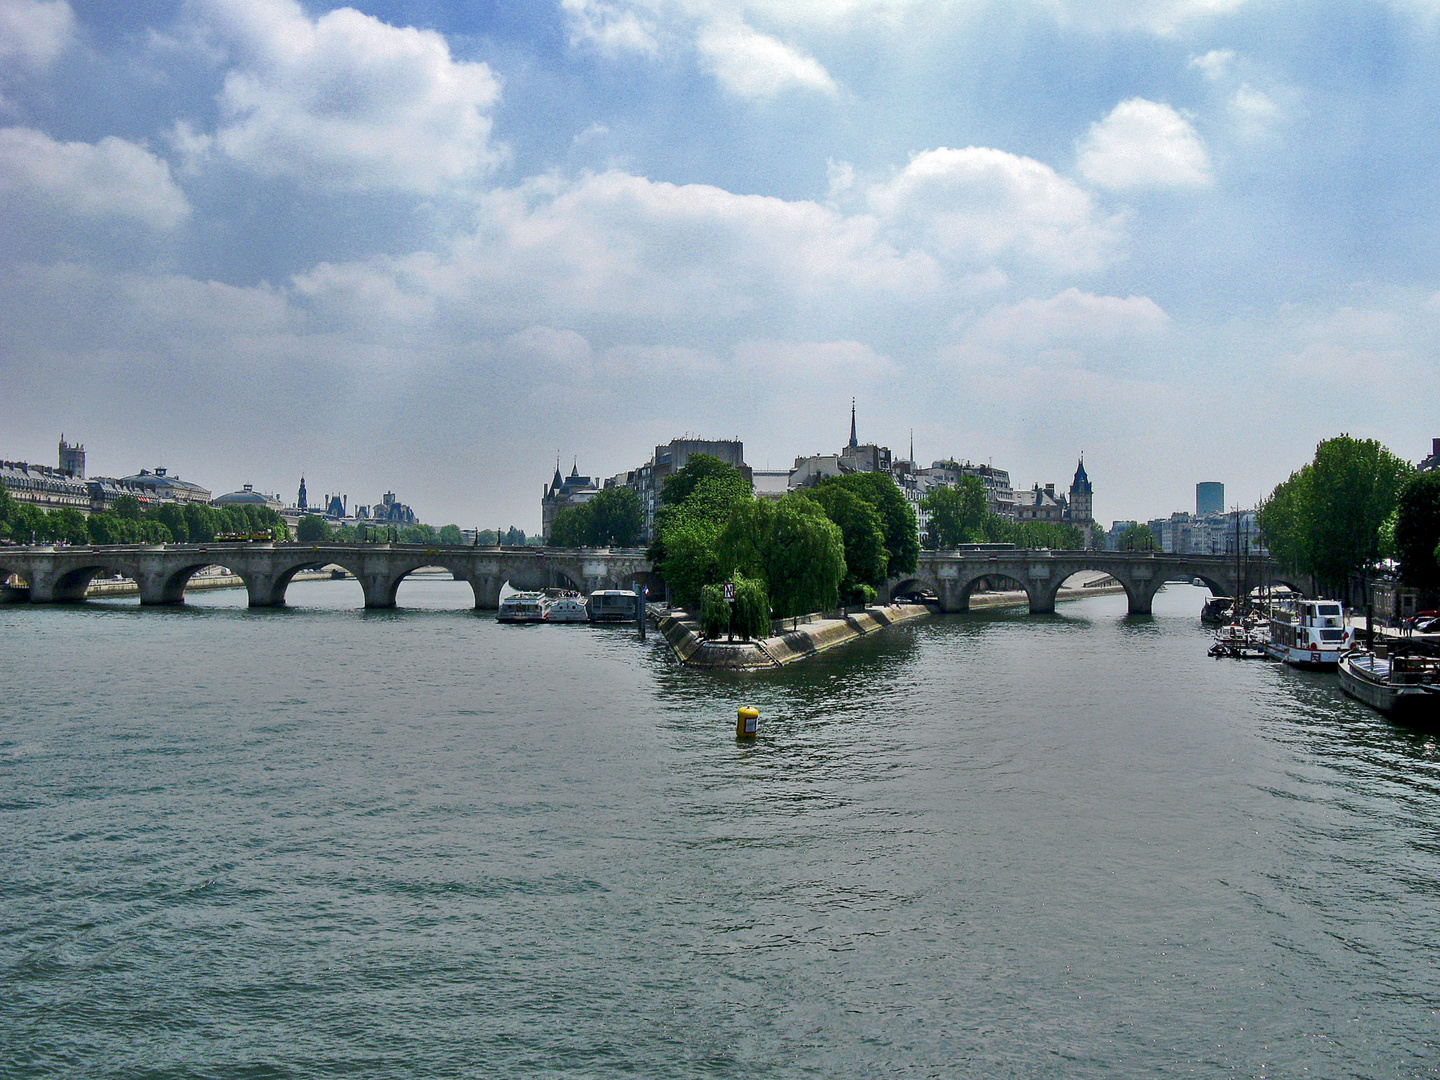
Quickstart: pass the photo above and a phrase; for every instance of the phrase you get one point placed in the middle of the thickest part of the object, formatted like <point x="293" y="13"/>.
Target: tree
<point x="616" y="518"/>
<point x="1137" y="538"/>
<point x="902" y="534"/>
<point x="7" y="507"/>
<point x="68" y="526"/>
<point x="128" y="507"/>
<point x="689" y="544"/>
<point x="866" y="558"/>
<point x="1325" y="520"/>
<point x="678" y="486"/>
<point x="804" y="559"/>
<point x="956" y="515"/>
<point x="451" y="535"/>
<point x="747" y="616"/>
<point x="311" y="528"/>
<point x="1417" y="531"/>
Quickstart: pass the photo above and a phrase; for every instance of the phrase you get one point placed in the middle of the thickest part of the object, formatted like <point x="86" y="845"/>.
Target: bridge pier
<point x="51" y="586"/>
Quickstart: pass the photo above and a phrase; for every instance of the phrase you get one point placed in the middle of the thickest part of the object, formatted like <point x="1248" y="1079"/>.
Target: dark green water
<point x="323" y="842"/>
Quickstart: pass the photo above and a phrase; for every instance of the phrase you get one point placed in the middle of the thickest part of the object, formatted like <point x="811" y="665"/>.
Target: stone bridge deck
<point x="62" y="574"/>
<point x="953" y="575"/>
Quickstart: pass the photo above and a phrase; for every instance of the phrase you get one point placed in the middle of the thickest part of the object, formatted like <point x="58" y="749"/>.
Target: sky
<point x="431" y="246"/>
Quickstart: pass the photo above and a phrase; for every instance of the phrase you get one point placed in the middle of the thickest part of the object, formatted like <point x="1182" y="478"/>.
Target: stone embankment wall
<point x="817" y="634"/>
<point x="694" y="649"/>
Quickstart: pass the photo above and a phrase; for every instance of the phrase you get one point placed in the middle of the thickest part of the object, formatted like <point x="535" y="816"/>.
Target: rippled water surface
<point x="326" y="842"/>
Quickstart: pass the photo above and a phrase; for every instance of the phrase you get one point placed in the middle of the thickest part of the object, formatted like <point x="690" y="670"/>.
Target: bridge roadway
<point x="62" y="574"/>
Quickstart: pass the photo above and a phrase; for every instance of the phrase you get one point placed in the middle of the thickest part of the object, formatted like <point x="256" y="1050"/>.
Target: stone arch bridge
<point x="62" y="574"/>
<point x="953" y="575"/>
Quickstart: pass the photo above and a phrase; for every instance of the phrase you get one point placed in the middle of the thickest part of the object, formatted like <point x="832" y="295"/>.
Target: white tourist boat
<point x="1308" y="633"/>
<point x="1405" y="687"/>
<point x="612" y="605"/>
<point x="567" y="609"/>
<point x="523" y="607"/>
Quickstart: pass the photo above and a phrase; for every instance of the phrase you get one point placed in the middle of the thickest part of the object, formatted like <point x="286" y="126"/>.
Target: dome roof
<point x="247" y="496"/>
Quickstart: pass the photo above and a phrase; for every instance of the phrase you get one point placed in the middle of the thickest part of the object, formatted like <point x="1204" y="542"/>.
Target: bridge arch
<point x="388" y="592"/>
<point x="914" y="584"/>
<point x="21" y="589"/>
<point x="169" y="586"/>
<point x="268" y="589"/>
<point x="68" y="585"/>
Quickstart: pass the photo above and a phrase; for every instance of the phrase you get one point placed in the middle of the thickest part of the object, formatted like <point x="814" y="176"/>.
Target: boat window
<point x="1329" y="609"/>
<point x="1331" y="635"/>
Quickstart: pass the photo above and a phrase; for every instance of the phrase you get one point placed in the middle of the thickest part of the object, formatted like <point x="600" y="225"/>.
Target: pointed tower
<point x="853" y="441"/>
<point x="300" y="501"/>
<point x="1080" y="494"/>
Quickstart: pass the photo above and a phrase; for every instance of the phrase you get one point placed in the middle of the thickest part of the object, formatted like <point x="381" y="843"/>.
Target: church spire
<point x="853" y="441"/>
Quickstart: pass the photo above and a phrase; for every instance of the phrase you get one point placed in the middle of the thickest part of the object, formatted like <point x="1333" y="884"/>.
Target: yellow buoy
<point x="746" y="720"/>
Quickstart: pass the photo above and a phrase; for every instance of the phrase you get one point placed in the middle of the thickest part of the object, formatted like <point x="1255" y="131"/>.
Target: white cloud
<point x="609" y="28"/>
<point x="348" y="103"/>
<point x="1253" y="110"/>
<point x="977" y="205"/>
<point x="111" y="178"/>
<point x="754" y="65"/>
<point x="34" y="32"/>
<point x="1072" y="316"/>
<point x="1143" y="144"/>
<point x="1215" y="64"/>
<point x="1165" y="18"/>
<point x="618" y="250"/>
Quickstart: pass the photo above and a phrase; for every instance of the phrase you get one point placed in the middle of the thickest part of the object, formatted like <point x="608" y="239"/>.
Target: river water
<point x="328" y="842"/>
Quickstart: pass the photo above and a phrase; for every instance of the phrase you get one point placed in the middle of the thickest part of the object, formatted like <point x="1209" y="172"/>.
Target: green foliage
<point x="1325" y="520"/>
<point x="451" y="536"/>
<point x="902" y="535"/>
<point x="955" y="515"/>
<point x="746" y="617"/>
<point x="68" y="527"/>
<point x="1033" y="535"/>
<point x="612" y="518"/>
<point x="423" y="535"/>
<point x="745" y="537"/>
<point x="1137" y="537"/>
<point x="128" y="507"/>
<point x="7" y="508"/>
<point x="312" y="528"/>
<point x="699" y="467"/>
<point x="751" y="617"/>
<point x="1416" y="532"/>
<point x="804" y="558"/>
<point x="714" y="612"/>
<point x="866" y="557"/>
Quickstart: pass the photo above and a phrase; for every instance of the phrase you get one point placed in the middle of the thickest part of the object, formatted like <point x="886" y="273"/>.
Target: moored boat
<point x="1308" y="633"/>
<point x="567" y="609"/>
<point x="612" y="605"/>
<point x="1240" y="641"/>
<point x="523" y="607"/>
<point x="1405" y="687"/>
